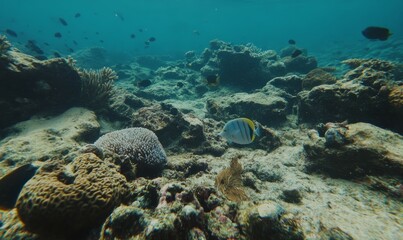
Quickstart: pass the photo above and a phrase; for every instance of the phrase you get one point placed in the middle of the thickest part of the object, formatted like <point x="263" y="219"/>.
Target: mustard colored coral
<point x="64" y="200"/>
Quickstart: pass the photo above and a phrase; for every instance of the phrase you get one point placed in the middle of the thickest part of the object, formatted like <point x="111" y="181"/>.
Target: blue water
<point x="182" y="25"/>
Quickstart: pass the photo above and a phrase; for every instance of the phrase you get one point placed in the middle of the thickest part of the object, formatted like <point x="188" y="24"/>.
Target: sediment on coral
<point x="96" y="87"/>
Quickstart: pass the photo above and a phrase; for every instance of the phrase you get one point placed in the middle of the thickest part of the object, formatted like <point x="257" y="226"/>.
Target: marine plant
<point x="4" y="45"/>
<point x="96" y="87"/>
<point x="229" y="182"/>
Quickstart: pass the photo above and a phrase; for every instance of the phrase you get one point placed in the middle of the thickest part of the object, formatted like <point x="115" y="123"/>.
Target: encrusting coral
<point x="138" y="145"/>
<point x="229" y="182"/>
<point x="96" y="86"/>
<point x="67" y="200"/>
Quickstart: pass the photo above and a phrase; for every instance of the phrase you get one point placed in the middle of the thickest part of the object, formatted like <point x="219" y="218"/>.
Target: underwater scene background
<point x="227" y="119"/>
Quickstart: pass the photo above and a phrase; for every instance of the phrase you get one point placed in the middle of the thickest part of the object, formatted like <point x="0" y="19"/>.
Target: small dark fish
<point x="101" y="41"/>
<point x="31" y="45"/>
<point x="56" y="54"/>
<point x="292" y="42"/>
<point x="376" y="33"/>
<point x="77" y="15"/>
<point x="132" y="35"/>
<point x="12" y="183"/>
<point x="296" y="53"/>
<point x="41" y="57"/>
<point x="141" y="30"/>
<point x="196" y="32"/>
<point x="143" y="83"/>
<point x="63" y="22"/>
<point x="147" y="42"/>
<point x="75" y="43"/>
<point x="180" y="84"/>
<point x="70" y="49"/>
<point x="152" y="39"/>
<point x="96" y="33"/>
<point x="58" y="35"/>
<point x="11" y="33"/>
<point x="86" y="38"/>
<point x="46" y="44"/>
<point x="213" y="80"/>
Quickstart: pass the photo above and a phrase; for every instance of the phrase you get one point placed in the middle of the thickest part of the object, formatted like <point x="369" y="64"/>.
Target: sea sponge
<point x="139" y="145"/>
<point x="66" y="200"/>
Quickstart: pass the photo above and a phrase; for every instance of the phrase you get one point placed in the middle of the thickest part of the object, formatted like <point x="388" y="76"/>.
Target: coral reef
<point x="338" y="181"/>
<point x="245" y="66"/>
<point x="269" y="110"/>
<point x="67" y="200"/>
<point x="28" y="86"/>
<point x="138" y="145"/>
<point x="96" y="87"/>
<point x="317" y="77"/>
<point x="362" y="95"/>
<point x="179" y="132"/>
<point x="229" y="182"/>
<point x="269" y="220"/>
<point x="364" y="150"/>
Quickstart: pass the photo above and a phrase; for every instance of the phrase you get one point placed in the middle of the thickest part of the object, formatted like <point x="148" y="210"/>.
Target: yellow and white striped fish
<point x="240" y="131"/>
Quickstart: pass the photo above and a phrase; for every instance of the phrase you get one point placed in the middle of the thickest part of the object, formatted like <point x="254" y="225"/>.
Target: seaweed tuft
<point x="229" y="182"/>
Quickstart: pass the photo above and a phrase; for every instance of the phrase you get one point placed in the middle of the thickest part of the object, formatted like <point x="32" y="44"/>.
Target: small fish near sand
<point x="58" y="35"/>
<point x="376" y="33"/>
<point x="241" y="131"/>
<point x="77" y="15"/>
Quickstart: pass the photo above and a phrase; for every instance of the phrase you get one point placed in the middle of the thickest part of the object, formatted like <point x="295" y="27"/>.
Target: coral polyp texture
<point x="96" y="86"/>
<point x="66" y="200"/>
<point x="139" y="145"/>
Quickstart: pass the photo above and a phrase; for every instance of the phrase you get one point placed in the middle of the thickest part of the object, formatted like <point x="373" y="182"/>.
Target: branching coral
<point x="229" y="182"/>
<point x="96" y="86"/>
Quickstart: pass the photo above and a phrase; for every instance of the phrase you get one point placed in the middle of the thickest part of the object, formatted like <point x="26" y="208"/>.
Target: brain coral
<point x="65" y="200"/>
<point x="139" y="145"/>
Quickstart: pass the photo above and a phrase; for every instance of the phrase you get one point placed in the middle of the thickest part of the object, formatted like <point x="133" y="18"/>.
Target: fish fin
<point x="258" y="129"/>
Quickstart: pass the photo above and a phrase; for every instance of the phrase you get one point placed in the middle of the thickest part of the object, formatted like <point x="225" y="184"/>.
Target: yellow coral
<point x="62" y="200"/>
<point x="396" y="98"/>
